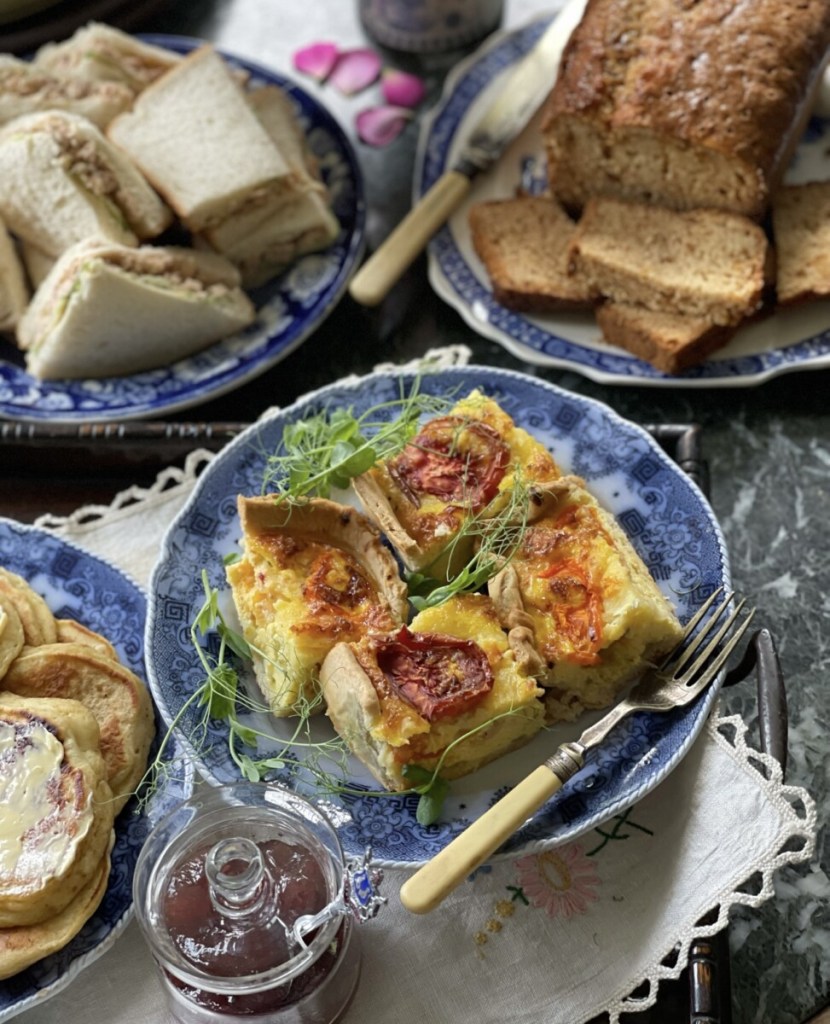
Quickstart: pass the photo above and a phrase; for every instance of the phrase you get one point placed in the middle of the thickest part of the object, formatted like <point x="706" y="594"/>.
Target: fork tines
<point x="694" y="638"/>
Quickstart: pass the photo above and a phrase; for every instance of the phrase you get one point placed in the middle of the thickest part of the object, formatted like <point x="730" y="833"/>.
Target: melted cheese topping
<point x="43" y="818"/>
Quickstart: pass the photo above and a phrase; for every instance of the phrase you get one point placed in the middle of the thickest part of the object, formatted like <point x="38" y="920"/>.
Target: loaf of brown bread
<point x="686" y="104"/>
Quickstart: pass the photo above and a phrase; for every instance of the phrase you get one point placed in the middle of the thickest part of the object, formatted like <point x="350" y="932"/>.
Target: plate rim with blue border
<point x="104" y="598"/>
<point x="660" y="508"/>
<point x="535" y="339"/>
<point x="289" y="308"/>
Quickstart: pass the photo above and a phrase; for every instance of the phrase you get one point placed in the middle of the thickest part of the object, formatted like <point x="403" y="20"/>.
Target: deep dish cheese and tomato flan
<point x="569" y="615"/>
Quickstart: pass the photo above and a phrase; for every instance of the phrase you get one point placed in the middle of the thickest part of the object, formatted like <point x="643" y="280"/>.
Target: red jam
<point x="239" y="946"/>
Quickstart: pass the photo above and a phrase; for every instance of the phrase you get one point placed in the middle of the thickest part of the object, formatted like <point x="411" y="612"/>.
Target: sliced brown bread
<point x="801" y="226"/>
<point x="668" y="341"/>
<point x="705" y="263"/>
<point x="523" y="244"/>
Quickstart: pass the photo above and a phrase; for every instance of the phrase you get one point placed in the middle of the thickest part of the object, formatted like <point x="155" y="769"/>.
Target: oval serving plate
<point x="289" y="307"/>
<point x="793" y="339"/>
<point x="79" y="585"/>
<point x="662" y="511"/>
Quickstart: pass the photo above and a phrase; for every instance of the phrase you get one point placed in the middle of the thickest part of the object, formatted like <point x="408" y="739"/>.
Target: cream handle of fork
<point x="438" y="877"/>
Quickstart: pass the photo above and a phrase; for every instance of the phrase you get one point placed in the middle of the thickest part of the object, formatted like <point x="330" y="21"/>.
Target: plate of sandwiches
<point x="76" y="719"/>
<point x="577" y="251"/>
<point x="501" y="560"/>
<point x="173" y="221"/>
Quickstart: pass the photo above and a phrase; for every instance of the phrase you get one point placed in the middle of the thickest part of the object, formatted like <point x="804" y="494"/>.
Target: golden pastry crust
<point x="389" y="721"/>
<point x="312" y="574"/>
<point x="577" y="587"/>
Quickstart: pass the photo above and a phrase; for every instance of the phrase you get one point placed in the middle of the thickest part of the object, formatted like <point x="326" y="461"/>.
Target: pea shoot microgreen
<point x="328" y="449"/>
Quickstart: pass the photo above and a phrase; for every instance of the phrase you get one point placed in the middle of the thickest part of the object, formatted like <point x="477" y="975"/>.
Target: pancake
<point x="72" y="632"/>
<point x="57" y="806"/>
<point x="20" y="947"/>
<point x="117" y="698"/>
<point x="38" y="621"/>
<point x="11" y="634"/>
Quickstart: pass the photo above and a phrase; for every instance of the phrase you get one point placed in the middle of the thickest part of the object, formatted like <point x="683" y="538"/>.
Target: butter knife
<point x="518" y="99"/>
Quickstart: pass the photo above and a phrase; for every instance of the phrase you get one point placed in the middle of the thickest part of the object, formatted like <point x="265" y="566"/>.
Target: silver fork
<point x="685" y="673"/>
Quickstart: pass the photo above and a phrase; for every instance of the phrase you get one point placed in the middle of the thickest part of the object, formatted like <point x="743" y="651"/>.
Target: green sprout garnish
<point x="327" y="450"/>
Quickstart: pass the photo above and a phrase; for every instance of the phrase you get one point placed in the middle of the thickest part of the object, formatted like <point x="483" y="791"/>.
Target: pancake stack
<point x="75" y="732"/>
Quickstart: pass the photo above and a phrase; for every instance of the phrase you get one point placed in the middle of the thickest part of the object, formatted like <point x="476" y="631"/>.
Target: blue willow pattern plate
<point x="791" y="339"/>
<point x="665" y="515"/>
<point x="289" y="307"/>
<point x="78" y="585"/>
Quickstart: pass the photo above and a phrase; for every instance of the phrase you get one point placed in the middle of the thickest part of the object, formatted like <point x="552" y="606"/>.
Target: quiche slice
<point x="581" y="595"/>
<point x="404" y="698"/>
<point x="458" y="466"/>
<point x="312" y="575"/>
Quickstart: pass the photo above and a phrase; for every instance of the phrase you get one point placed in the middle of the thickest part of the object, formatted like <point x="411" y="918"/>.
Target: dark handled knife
<point x="519" y="97"/>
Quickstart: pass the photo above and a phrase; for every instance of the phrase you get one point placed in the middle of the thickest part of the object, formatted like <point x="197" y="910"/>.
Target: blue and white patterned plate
<point x="80" y="586"/>
<point x="793" y="339"/>
<point x="664" y="514"/>
<point x="289" y="308"/>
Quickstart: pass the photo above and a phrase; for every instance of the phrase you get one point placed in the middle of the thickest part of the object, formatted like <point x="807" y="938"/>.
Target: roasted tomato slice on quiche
<point x="407" y="697"/>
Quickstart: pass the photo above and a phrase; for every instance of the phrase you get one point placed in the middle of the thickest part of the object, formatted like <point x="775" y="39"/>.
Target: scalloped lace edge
<point x="797" y="811"/>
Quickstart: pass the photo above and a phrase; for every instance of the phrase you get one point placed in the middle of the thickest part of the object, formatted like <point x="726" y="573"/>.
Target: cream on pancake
<point x="116" y="697"/>
<point x="57" y="806"/>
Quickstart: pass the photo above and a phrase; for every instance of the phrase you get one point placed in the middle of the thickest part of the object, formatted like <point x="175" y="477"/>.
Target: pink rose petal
<point x="378" y="126"/>
<point x="317" y="60"/>
<point x="355" y="70"/>
<point x="402" y="89"/>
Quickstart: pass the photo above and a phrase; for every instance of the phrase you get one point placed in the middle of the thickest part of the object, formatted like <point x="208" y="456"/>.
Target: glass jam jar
<point x="429" y="26"/>
<point x="248" y="906"/>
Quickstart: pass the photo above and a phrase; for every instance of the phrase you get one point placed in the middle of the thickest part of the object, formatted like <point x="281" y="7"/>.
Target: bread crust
<point x="717" y="92"/>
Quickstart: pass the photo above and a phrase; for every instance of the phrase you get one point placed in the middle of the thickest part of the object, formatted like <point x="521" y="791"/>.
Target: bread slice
<point x="311" y="575"/>
<point x="587" y="600"/>
<point x="106" y="309"/>
<point x="199" y="143"/>
<point x="801" y="228"/>
<point x="101" y="53"/>
<point x="412" y="697"/>
<point x="61" y="181"/>
<point x="684" y="104"/>
<point x="26" y="89"/>
<point x="456" y="468"/>
<point x="670" y="342"/>
<point x="14" y="291"/>
<point x="706" y="264"/>
<point x="57" y="806"/>
<point x="263" y="240"/>
<point x="524" y="245"/>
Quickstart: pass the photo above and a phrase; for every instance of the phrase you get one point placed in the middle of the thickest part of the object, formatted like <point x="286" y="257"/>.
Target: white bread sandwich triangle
<point x="107" y="309"/>
<point x="26" y="89"/>
<point x="14" y="293"/>
<point x="198" y="142"/>
<point x="62" y="181"/>
<point x="101" y="53"/>
<point x="263" y="240"/>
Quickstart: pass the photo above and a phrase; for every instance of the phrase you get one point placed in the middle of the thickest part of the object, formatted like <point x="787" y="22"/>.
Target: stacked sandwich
<point x="667" y="134"/>
<point x="95" y="171"/>
<point x="564" y="622"/>
<point x="75" y="733"/>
